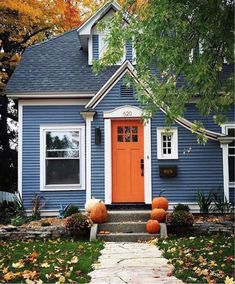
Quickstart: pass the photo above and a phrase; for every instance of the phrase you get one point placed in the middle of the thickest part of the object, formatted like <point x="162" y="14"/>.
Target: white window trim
<point x="225" y="148"/>
<point x="62" y="187"/>
<point x="174" y="152"/>
<point x="126" y="112"/>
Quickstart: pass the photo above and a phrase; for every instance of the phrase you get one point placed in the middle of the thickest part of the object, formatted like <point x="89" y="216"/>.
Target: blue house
<point x="81" y="135"/>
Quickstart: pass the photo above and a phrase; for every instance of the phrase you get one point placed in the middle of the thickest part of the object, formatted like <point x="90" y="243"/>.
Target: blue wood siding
<point x="201" y="169"/>
<point x="129" y="51"/>
<point x="33" y="117"/>
<point x="95" y="47"/>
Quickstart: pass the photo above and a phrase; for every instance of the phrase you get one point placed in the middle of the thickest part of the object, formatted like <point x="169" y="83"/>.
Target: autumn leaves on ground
<point x="49" y="261"/>
<point x="201" y="259"/>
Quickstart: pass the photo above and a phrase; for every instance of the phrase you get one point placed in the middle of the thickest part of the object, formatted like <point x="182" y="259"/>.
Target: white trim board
<point x="120" y="113"/>
<point x="20" y="139"/>
<point x="43" y="102"/>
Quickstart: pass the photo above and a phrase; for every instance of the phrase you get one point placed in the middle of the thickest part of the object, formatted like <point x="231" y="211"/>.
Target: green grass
<point x="200" y="259"/>
<point x="48" y="261"/>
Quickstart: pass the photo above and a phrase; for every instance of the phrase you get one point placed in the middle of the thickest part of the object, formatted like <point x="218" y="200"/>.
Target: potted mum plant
<point x="79" y="225"/>
<point x="180" y="220"/>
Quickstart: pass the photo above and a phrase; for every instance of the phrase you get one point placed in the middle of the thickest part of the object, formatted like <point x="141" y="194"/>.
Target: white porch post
<point x="88" y="117"/>
<point x="224" y="141"/>
<point x="225" y="170"/>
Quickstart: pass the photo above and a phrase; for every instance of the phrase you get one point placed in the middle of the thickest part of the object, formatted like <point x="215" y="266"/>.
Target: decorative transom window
<point x="127" y="134"/>
<point x="167" y="143"/>
<point x="62" y="157"/>
<point x="230" y="131"/>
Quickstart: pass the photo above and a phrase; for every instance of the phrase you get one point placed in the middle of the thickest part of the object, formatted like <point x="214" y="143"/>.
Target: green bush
<point x="179" y="218"/>
<point x="204" y="202"/>
<point x="18" y="220"/>
<point x="10" y="210"/>
<point x="45" y="223"/>
<point x="181" y="207"/>
<point x="71" y="209"/>
<point x="77" y="223"/>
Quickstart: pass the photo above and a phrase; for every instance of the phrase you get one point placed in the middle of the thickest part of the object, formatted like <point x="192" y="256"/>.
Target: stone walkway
<point x="132" y="263"/>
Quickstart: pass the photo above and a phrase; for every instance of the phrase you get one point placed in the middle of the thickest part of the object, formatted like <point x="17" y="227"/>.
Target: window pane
<point x="231" y="162"/>
<point x="62" y="140"/>
<point x="231" y="150"/>
<point x="65" y="154"/>
<point x="120" y="129"/>
<point x="134" y="138"/>
<point x="231" y="132"/>
<point x="120" y="138"/>
<point x="134" y="129"/>
<point x="62" y="171"/>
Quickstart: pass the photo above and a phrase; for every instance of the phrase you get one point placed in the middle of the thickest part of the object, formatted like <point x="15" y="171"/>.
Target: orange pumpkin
<point x="153" y="227"/>
<point x="99" y="213"/>
<point x="160" y="202"/>
<point x="158" y="214"/>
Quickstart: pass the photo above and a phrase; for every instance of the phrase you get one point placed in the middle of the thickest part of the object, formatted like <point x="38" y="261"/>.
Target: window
<point x="230" y="131"/>
<point x="167" y="143"/>
<point x="62" y="157"/>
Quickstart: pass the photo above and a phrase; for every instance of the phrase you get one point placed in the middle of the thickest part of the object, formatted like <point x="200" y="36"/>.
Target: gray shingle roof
<point x="57" y="65"/>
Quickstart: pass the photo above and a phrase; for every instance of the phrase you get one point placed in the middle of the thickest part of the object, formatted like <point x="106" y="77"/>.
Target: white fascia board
<point x="85" y="29"/>
<point x="40" y="102"/>
<point x="48" y="95"/>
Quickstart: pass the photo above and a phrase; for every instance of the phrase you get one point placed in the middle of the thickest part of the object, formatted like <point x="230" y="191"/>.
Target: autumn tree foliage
<point x="23" y="23"/>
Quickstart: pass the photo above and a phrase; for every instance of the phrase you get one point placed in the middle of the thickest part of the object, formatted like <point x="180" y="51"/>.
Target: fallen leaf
<point x="74" y="259"/>
<point x="5" y="270"/>
<point x="18" y="264"/>
<point x="62" y="279"/>
<point x="9" y="276"/>
<point x="229" y="280"/>
<point x="45" y="264"/>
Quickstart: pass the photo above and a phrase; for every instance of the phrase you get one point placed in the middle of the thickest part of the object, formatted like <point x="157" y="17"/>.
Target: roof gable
<point x="85" y="30"/>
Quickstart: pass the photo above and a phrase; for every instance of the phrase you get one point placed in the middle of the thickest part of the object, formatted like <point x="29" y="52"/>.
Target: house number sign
<point x="127" y="113"/>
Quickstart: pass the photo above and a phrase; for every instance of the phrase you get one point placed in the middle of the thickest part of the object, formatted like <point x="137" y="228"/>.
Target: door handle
<point x="142" y="167"/>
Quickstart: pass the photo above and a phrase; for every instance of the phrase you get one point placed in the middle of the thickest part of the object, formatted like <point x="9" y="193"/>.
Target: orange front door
<point x="127" y="161"/>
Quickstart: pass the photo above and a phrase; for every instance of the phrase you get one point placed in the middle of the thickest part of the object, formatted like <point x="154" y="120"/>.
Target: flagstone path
<point x="132" y="263"/>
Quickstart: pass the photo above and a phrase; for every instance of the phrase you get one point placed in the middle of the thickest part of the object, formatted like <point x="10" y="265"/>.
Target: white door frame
<point x="126" y="112"/>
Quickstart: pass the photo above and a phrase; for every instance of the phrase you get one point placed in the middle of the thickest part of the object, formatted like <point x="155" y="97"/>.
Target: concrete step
<point x="127" y="237"/>
<point x="123" y="227"/>
<point x="129" y="216"/>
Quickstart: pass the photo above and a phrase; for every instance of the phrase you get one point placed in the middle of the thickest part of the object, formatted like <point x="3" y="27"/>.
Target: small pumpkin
<point x="158" y="214"/>
<point x="153" y="227"/>
<point x="160" y="202"/>
<point x="91" y="203"/>
<point x="99" y="213"/>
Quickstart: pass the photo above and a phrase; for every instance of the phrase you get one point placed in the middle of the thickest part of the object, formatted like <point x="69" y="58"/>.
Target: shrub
<point x="222" y="205"/>
<point x="38" y="203"/>
<point x="18" y="220"/>
<point x="77" y="223"/>
<point x="179" y="218"/>
<point x="70" y="210"/>
<point x="204" y="202"/>
<point x="10" y="210"/>
<point x="181" y="207"/>
<point x="45" y="223"/>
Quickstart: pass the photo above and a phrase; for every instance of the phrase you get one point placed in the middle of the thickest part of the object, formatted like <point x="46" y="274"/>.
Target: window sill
<point x="168" y="158"/>
<point x="66" y="188"/>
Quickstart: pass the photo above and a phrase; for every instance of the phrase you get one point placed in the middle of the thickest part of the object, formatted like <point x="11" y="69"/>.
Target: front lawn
<point x="48" y="261"/>
<point x="201" y="259"/>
